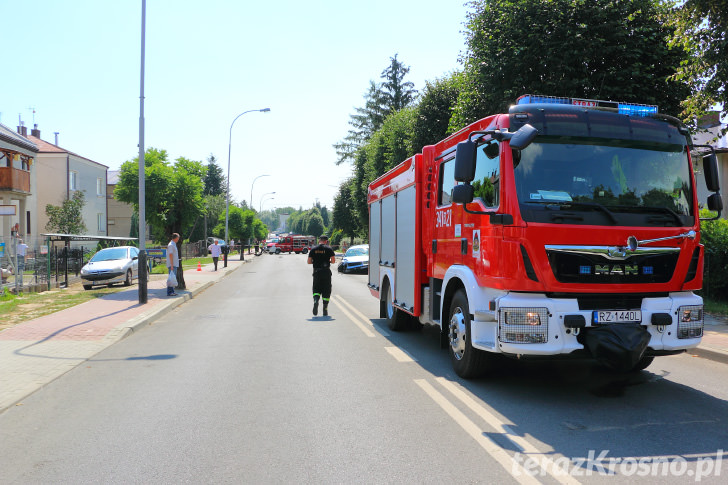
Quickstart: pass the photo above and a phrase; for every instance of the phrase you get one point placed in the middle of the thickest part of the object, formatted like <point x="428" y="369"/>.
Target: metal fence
<point x="35" y="264"/>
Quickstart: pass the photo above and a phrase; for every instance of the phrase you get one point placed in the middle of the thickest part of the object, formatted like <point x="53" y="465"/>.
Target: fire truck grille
<point x="594" y="268"/>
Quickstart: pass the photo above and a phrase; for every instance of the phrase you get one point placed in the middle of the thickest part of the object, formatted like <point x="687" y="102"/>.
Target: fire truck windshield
<point x="598" y="181"/>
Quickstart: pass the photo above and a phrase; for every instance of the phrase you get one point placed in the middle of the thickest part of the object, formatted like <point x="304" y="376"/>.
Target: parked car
<point x="356" y="259"/>
<point x="111" y="265"/>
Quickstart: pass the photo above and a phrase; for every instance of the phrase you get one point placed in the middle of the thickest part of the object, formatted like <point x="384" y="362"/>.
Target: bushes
<point x="714" y="235"/>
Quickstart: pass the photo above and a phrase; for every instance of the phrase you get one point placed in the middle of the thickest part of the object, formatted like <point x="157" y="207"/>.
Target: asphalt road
<point x="243" y="385"/>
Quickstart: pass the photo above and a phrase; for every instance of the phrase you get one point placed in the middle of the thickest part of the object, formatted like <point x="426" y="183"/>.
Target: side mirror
<point x="463" y="194"/>
<point x="465" y="161"/>
<point x="715" y="202"/>
<point x="523" y="137"/>
<point x="710" y="169"/>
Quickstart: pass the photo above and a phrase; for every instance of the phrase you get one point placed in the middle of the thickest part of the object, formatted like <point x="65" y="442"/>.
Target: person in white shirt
<point x="215" y="251"/>
<point x="172" y="261"/>
<point x="21" y="250"/>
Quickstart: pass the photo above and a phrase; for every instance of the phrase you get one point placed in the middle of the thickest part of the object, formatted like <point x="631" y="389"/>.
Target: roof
<point x="85" y="237"/>
<point x="16" y="140"/>
<point x="46" y="147"/>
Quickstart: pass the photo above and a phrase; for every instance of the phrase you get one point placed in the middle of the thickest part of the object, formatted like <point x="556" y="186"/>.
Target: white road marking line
<point x="539" y="456"/>
<point x="361" y="315"/>
<point x="495" y="451"/>
<point x="399" y="354"/>
<point x="354" y="319"/>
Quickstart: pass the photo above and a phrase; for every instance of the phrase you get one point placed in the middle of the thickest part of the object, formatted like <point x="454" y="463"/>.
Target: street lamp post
<point x="263" y="201"/>
<point x="230" y="142"/>
<point x="260" y="206"/>
<point x="251" y="189"/>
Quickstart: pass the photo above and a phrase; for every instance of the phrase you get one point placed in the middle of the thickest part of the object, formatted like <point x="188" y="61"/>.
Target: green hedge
<point x="714" y="235"/>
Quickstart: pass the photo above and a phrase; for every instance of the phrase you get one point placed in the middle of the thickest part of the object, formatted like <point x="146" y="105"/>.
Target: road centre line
<point x="353" y="318"/>
<point x="539" y="456"/>
<point x="399" y="354"/>
<point x="495" y="451"/>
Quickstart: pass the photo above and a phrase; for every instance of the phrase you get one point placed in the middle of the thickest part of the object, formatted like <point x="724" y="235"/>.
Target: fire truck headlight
<point x="532" y="318"/>
<point x="523" y="325"/>
<point x="690" y="321"/>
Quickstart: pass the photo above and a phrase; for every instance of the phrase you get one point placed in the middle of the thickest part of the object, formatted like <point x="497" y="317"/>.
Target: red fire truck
<point x="566" y="227"/>
<point x="292" y="244"/>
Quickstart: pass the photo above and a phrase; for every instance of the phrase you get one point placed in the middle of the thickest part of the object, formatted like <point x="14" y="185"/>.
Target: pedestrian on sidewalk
<point x="215" y="250"/>
<point x="21" y="251"/>
<point x="172" y="264"/>
<point x="321" y="257"/>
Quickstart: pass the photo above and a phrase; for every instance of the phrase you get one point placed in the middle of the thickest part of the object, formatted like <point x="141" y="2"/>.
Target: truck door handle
<point x="464" y="246"/>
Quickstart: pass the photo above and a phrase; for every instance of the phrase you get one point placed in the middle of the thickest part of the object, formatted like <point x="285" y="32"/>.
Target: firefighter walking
<point x="321" y="257"/>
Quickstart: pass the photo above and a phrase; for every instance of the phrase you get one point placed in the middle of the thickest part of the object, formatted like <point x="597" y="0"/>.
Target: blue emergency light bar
<point x="624" y="108"/>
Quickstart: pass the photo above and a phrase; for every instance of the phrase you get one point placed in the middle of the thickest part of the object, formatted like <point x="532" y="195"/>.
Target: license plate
<point x="616" y="316"/>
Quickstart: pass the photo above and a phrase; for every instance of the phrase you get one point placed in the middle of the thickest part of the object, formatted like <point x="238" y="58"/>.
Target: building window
<point x="73" y="180"/>
<point x="99" y="187"/>
<point x="100" y="219"/>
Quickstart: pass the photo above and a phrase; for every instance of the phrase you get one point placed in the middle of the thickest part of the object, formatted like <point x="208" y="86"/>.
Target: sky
<point x="73" y="67"/>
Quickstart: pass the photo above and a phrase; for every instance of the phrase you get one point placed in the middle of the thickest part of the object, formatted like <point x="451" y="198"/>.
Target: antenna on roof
<point x="33" y="111"/>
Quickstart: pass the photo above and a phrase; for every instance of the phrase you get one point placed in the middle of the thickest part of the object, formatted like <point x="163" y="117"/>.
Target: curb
<point x="709" y="353"/>
<point x="145" y="319"/>
<point x="123" y="331"/>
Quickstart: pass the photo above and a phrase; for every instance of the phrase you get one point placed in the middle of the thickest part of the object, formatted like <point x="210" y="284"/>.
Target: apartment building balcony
<point x="14" y="180"/>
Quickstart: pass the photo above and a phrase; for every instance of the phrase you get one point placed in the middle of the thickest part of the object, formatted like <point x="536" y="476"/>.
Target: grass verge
<point x="715" y="307"/>
<point x="27" y="306"/>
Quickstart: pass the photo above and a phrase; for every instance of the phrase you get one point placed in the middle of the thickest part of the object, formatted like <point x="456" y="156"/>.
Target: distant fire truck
<point x="292" y="244"/>
<point x="566" y="227"/>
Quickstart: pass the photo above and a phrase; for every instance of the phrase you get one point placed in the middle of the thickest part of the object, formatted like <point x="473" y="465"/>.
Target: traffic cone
<point x="199" y="266"/>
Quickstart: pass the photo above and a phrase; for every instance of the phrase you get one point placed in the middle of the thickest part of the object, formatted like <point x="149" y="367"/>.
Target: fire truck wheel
<point x="396" y="319"/>
<point x="466" y="361"/>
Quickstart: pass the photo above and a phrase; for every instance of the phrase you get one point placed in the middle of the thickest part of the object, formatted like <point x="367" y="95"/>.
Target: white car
<point x="356" y="258"/>
<point x="111" y="265"/>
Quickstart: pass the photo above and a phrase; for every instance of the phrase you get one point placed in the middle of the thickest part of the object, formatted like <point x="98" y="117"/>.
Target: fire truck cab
<point x="563" y="228"/>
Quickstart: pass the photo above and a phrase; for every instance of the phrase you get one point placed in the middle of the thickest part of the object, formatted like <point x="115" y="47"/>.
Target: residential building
<point x="17" y="183"/>
<point x="61" y="172"/>
<point x="119" y="213"/>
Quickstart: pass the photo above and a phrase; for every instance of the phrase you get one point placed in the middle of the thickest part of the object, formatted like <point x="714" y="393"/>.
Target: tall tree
<point x="396" y="92"/>
<point x="700" y="29"/>
<point x="173" y="194"/>
<point x="214" y="178"/>
<point x="68" y="217"/>
<point x="381" y="100"/>
<point x="602" y="49"/>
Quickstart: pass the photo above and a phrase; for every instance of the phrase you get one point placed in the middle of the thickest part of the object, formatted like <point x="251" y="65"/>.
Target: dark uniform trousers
<point x="322" y="283"/>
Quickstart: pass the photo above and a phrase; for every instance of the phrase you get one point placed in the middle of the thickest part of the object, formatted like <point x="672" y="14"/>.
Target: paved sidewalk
<point x="36" y="352"/>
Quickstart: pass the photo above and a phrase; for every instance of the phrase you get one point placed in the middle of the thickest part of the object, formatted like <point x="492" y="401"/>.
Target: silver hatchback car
<point x="111" y="265"/>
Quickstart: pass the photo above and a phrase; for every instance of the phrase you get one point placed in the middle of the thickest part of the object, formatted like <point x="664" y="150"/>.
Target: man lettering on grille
<point x="321" y="257"/>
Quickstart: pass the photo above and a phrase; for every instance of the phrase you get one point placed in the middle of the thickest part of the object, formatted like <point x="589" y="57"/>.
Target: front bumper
<point x="104" y="277"/>
<point x="549" y="328"/>
<point x="346" y="266"/>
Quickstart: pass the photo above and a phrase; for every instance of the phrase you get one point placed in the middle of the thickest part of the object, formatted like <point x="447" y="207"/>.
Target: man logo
<point x="616" y="270"/>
